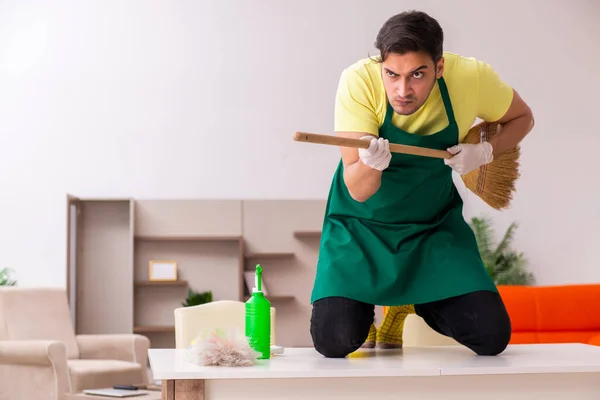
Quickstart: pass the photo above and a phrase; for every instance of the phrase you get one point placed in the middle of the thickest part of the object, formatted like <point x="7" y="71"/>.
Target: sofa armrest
<point x="33" y="369"/>
<point x="595" y="341"/>
<point x="124" y="347"/>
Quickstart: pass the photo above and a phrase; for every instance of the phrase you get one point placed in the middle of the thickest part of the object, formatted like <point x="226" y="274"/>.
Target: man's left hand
<point x="468" y="157"/>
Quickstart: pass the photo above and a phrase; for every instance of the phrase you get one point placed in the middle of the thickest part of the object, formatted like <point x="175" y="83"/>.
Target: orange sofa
<point x="553" y="314"/>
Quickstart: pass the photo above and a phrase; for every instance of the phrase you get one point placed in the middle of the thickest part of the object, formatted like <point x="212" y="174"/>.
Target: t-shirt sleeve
<point x="355" y="105"/>
<point x="495" y="95"/>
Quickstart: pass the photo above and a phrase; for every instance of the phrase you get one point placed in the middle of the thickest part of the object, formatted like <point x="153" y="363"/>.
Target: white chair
<point x="223" y="314"/>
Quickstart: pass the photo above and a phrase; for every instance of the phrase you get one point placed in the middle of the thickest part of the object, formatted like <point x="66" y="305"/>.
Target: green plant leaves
<point x="505" y="266"/>
<point x="484" y="235"/>
<point x="5" y="277"/>
<point x="195" y="298"/>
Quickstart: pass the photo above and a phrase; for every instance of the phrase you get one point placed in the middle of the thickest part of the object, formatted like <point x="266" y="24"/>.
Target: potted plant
<point x="195" y="298"/>
<point x="5" y="277"/>
<point x="505" y="266"/>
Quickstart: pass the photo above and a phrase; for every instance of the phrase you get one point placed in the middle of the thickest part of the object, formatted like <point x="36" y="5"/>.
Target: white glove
<point x="468" y="157"/>
<point x="378" y="155"/>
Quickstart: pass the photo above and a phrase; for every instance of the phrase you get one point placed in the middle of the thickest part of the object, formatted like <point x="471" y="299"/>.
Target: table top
<point x="410" y="361"/>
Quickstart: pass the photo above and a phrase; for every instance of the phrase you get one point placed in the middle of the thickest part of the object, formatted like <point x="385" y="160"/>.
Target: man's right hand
<point x="378" y="155"/>
<point x="360" y="174"/>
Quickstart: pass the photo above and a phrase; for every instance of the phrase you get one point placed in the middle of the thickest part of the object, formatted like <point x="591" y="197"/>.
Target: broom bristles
<point x="495" y="182"/>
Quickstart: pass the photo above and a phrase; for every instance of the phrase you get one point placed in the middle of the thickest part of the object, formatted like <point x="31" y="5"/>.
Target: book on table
<point x="118" y="393"/>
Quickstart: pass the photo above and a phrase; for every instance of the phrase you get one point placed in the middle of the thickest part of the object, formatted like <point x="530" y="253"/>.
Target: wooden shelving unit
<point x="274" y="298"/>
<point x="307" y="234"/>
<point x="153" y="329"/>
<point x="270" y="256"/>
<point x="213" y="243"/>
<point x="179" y="282"/>
<point x="159" y="238"/>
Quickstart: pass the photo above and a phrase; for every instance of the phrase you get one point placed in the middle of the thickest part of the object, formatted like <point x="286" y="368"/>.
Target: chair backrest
<point x="37" y="314"/>
<point x="226" y="315"/>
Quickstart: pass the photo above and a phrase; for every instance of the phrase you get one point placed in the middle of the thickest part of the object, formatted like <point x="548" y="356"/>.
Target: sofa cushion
<point x="588" y="337"/>
<point x="552" y="308"/>
<point x="521" y="303"/>
<point x="568" y="308"/>
<point x="524" y="338"/>
<point x="595" y="341"/>
<point x="37" y="313"/>
<point x="567" y="336"/>
<point x="95" y="374"/>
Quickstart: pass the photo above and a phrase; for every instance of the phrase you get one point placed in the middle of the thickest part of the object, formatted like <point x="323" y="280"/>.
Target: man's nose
<point x="403" y="89"/>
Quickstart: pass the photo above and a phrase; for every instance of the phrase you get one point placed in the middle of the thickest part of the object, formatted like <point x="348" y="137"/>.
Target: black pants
<point x="477" y="320"/>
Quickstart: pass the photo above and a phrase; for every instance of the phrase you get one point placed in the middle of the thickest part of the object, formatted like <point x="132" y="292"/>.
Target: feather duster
<point x="219" y="348"/>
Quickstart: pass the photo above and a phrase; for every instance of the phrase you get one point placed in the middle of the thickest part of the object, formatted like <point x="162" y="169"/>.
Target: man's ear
<point x="439" y="68"/>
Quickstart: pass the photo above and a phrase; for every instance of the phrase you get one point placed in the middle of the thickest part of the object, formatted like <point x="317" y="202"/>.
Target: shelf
<point x="270" y="255"/>
<point x="165" y="238"/>
<point x="104" y="199"/>
<point x="274" y="298"/>
<point x="307" y="234"/>
<point x="161" y="283"/>
<point x="215" y="243"/>
<point x="153" y="329"/>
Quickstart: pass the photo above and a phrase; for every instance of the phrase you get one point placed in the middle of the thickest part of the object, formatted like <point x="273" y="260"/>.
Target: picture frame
<point x="162" y="270"/>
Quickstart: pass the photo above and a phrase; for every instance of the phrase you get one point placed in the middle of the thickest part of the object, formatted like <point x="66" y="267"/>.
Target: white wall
<point x="199" y="99"/>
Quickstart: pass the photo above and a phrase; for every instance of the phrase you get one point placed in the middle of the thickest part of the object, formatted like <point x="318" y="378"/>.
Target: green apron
<point x="407" y="244"/>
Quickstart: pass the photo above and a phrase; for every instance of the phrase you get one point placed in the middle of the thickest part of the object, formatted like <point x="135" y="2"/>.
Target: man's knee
<point x="334" y="344"/>
<point x="494" y="338"/>
<point x="478" y="320"/>
<point x="338" y="327"/>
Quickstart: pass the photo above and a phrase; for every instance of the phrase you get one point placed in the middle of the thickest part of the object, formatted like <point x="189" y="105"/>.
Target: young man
<point x="394" y="233"/>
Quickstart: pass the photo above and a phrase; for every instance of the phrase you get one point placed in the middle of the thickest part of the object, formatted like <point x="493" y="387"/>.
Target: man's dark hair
<point x="410" y="31"/>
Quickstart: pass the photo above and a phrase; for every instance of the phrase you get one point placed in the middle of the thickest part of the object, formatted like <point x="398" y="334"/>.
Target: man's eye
<point x="390" y="74"/>
<point x="418" y="75"/>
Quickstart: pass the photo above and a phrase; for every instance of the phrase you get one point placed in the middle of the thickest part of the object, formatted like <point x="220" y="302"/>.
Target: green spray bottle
<point x="258" y="318"/>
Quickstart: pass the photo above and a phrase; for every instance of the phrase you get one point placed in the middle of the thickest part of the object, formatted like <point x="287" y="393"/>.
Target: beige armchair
<point x="42" y="358"/>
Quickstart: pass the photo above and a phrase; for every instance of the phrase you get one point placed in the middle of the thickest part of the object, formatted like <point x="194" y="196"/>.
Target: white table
<point x="557" y="371"/>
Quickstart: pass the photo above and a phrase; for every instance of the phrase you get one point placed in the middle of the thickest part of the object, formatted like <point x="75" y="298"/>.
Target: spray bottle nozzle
<point x="258" y="279"/>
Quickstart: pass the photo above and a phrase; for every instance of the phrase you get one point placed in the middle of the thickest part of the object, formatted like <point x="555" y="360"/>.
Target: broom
<point x="494" y="183"/>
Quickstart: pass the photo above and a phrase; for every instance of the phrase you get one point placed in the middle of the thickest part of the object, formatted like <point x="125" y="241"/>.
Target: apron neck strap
<point x="446" y="100"/>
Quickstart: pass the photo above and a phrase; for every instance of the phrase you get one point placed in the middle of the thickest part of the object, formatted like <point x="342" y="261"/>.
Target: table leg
<point x="183" y="389"/>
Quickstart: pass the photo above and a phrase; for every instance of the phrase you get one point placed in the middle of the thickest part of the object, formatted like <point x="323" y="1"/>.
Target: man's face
<point x="408" y="80"/>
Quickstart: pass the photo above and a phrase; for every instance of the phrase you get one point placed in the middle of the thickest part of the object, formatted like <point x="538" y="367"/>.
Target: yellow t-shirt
<point x="475" y="90"/>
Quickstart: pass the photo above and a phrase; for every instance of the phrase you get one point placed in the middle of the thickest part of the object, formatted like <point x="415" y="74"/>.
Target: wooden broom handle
<point x="363" y="144"/>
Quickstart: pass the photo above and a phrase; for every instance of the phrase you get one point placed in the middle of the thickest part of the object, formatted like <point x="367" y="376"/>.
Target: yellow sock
<point x="389" y="334"/>
<point x="371" y="338"/>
